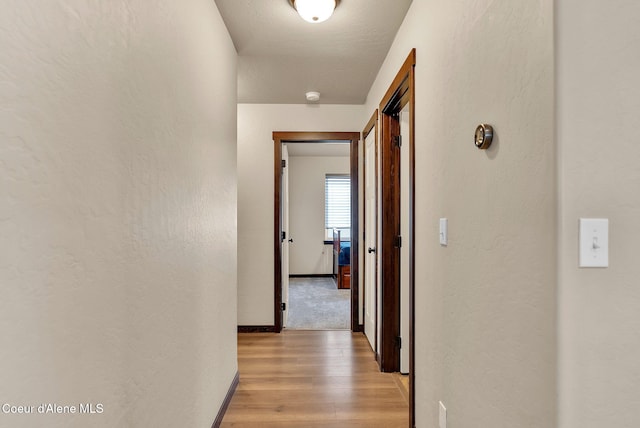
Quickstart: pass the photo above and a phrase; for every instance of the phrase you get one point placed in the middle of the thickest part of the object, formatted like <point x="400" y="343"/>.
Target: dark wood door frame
<point x="371" y="126"/>
<point x="315" y="137"/>
<point x="400" y="93"/>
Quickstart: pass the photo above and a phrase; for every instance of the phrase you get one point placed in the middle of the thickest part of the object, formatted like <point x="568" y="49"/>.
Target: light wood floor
<point x="313" y="379"/>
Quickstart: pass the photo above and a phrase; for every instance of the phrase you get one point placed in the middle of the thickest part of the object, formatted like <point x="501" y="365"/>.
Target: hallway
<point x="313" y="379"/>
<point x="140" y="212"/>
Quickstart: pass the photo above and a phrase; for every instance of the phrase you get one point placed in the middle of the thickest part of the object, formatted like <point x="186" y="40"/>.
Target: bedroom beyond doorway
<point x="316" y="303"/>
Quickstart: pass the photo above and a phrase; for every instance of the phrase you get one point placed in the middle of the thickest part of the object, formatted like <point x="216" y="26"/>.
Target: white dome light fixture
<point x="314" y="11"/>
<point x="313" y="96"/>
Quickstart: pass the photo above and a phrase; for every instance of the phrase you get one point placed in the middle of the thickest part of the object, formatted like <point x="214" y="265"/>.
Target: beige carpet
<point x="317" y="304"/>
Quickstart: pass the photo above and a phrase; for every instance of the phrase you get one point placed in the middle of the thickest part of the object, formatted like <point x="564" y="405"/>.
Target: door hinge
<point x="284" y="163"/>
<point x="398" y="241"/>
<point x="398" y="342"/>
<point x="397" y="140"/>
<point x="283" y="306"/>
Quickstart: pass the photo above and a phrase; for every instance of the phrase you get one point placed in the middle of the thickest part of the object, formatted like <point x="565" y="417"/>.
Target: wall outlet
<point x="443" y="416"/>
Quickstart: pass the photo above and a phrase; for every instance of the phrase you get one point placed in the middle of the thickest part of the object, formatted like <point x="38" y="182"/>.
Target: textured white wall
<point x="256" y="123"/>
<point x="598" y="65"/>
<point x="486" y="304"/>
<point x="308" y="254"/>
<point x="117" y="211"/>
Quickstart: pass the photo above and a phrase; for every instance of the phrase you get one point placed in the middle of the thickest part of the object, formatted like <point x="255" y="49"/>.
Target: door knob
<point x="290" y="239"/>
<point x="371" y="250"/>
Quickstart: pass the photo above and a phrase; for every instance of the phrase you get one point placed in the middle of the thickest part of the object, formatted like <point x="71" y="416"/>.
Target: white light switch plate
<point x="443" y="416"/>
<point x="444" y="232"/>
<point x="594" y="242"/>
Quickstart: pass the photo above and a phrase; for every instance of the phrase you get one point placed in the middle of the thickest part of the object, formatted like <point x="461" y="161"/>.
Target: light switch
<point x="594" y="242"/>
<point x="444" y="238"/>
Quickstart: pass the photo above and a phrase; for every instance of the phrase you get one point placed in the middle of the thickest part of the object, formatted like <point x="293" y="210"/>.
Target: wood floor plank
<point x="313" y="379"/>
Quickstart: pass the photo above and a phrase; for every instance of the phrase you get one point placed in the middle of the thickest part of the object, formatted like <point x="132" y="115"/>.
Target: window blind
<point x="337" y="207"/>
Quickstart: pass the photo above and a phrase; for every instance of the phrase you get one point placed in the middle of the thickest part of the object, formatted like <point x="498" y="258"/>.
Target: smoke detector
<point x="313" y="96"/>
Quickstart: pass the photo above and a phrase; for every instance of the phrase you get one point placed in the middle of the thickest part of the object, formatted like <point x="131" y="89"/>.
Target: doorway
<point x="397" y="240"/>
<point x="319" y="204"/>
<point x="281" y="237"/>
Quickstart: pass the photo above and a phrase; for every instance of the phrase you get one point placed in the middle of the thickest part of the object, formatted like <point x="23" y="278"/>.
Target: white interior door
<point x="285" y="228"/>
<point x="371" y="239"/>
<point x="404" y="232"/>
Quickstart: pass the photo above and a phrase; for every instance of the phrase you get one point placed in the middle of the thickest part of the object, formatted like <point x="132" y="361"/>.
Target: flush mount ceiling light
<point x="314" y="11"/>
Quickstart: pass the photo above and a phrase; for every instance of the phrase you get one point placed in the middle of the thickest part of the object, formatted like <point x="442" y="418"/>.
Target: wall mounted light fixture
<point x="314" y="11"/>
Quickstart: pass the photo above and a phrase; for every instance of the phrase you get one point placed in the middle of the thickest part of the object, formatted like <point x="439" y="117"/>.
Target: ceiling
<point x="281" y="56"/>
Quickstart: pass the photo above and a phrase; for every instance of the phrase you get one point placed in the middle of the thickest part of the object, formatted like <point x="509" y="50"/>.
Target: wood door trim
<point x="400" y="93"/>
<point x="400" y="85"/>
<point x="412" y="242"/>
<point x="372" y="125"/>
<point x="355" y="232"/>
<point x="314" y="137"/>
<point x="277" y="241"/>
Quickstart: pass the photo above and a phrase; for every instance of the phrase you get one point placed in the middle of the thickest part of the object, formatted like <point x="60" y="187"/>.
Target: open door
<point x="370" y="281"/>
<point x="405" y="215"/>
<point x="286" y="238"/>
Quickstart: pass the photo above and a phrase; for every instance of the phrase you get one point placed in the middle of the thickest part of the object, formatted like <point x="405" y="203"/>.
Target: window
<point x="337" y="207"/>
